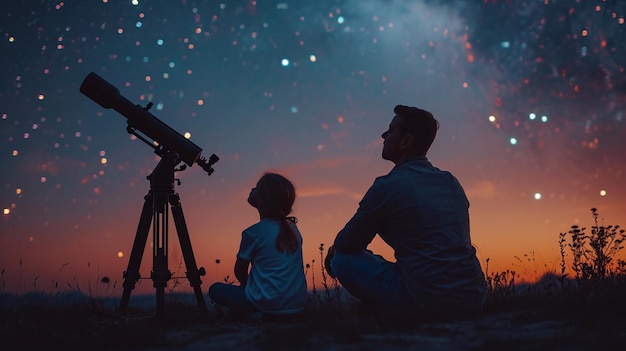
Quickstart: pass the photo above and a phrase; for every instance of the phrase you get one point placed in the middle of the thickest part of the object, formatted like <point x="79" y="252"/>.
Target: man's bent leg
<point x="370" y="278"/>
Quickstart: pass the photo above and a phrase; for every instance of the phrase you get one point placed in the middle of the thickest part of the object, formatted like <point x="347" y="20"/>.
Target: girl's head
<point x="273" y="196"/>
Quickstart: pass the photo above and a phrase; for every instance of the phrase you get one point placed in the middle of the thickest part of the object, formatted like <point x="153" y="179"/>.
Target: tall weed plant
<point x="593" y="253"/>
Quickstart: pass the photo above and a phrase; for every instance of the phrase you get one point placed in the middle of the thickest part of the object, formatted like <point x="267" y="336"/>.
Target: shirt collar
<point x="413" y="159"/>
<point x="417" y="159"/>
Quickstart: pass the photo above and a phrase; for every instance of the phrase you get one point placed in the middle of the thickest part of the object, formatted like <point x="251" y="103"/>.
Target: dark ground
<point x="94" y="325"/>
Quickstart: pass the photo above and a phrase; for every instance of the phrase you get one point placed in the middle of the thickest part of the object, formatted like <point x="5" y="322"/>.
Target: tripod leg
<point x="193" y="273"/>
<point x="160" y="273"/>
<point x="131" y="275"/>
<point x="160" y="276"/>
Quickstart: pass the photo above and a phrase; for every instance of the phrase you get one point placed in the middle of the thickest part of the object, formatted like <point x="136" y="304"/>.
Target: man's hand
<point x="329" y="257"/>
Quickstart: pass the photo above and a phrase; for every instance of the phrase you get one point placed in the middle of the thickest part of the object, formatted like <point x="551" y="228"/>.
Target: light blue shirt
<point x="276" y="283"/>
<point x="422" y="213"/>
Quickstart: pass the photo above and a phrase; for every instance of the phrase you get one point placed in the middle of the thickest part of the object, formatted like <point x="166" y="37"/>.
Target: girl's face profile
<point x="253" y="198"/>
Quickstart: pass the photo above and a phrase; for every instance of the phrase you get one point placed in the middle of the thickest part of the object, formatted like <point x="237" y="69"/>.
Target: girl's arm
<point x="241" y="271"/>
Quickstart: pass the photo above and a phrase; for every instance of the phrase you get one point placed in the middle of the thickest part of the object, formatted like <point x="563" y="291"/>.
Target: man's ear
<point x="407" y="141"/>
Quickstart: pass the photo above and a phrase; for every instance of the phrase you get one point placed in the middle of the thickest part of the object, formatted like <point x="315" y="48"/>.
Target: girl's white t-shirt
<point x="276" y="283"/>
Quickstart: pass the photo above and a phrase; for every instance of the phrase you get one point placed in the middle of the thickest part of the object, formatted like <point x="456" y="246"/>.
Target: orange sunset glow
<point x="531" y="125"/>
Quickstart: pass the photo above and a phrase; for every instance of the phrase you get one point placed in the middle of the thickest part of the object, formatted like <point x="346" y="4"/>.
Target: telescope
<point x="140" y="118"/>
<point x="161" y="198"/>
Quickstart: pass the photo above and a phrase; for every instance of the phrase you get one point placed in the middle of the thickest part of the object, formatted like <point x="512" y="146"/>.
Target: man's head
<point x="410" y="134"/>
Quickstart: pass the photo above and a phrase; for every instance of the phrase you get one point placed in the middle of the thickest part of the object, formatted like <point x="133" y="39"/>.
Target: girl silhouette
<point x="269" y="262"/>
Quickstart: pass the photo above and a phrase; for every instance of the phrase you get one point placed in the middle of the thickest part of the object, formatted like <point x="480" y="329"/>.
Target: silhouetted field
<point x="580" y="310"/>
<point x="575" y="316"/>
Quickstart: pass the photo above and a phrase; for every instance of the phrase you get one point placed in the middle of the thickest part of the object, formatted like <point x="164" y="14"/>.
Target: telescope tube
<point x="108" y="96"/>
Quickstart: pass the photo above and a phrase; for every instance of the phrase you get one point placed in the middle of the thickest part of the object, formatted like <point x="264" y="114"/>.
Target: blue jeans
<point x="371" y="279"/>
<point x="232" y="296"/>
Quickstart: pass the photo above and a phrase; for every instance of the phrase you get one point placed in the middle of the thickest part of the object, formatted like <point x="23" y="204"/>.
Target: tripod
<point x="155" y="212"/>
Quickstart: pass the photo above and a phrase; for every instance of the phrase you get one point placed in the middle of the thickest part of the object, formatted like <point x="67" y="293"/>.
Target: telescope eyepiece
<point x="207" y="164"/>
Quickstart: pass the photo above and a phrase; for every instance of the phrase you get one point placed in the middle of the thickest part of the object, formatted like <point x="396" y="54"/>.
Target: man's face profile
<point x="393" y="140"/>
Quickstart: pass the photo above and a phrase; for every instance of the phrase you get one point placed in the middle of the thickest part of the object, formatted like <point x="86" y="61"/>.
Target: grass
<point x="591" y="298"/>
<point x="39" y="323"/>
<point x="596" y="289"/>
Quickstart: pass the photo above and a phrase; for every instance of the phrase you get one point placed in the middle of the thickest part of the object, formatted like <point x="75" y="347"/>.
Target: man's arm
<point x="366" y="222"/>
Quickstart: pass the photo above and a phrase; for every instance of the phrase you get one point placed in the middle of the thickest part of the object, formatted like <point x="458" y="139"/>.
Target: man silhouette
<point x="422" y="213"/>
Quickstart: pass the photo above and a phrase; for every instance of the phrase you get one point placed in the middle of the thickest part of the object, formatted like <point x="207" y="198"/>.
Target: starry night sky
<point x="530" y="96"/>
